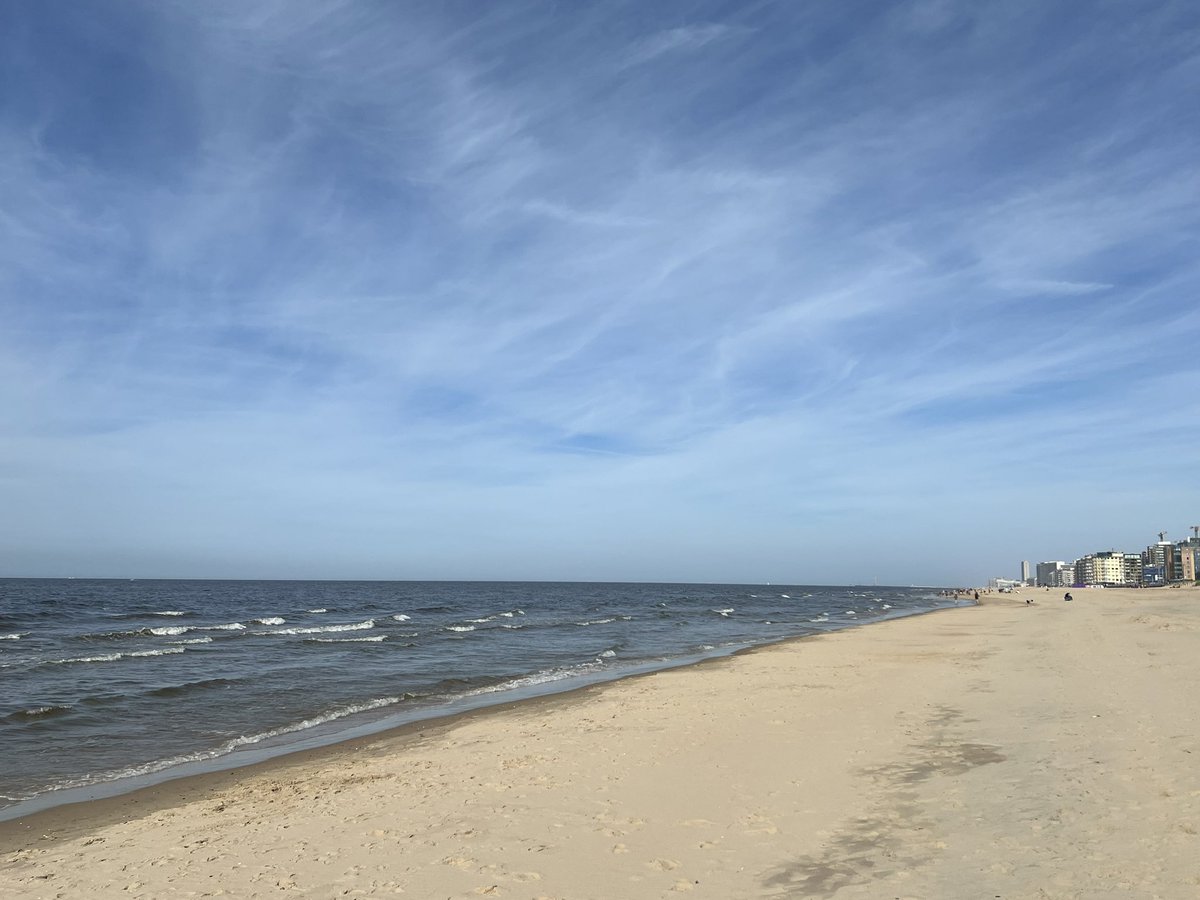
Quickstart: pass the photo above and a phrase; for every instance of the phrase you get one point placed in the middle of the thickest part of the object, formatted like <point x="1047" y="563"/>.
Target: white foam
<point x="366" y="640"/>
<point x="199" y="640"/>
<point x="460" y="627"/>
<point x="169" y="612"/>
<point x="607" y="654"/>
<point x="321" y="610"/>
<point x="13" y="637"/>
<point x="42" y="710"/>
<point x="543" y="677"/>
<point x="851" y="612"/>
<point x="724" y="612"/>
<point x="323" y="629"/>
<point x="232" y="626"/>
<point x="401" y="617"/>
<point x="270" y="620"/>
<point x="170" y="630"/>
<point x="785" y="596"/>
<point x="229" y="746"/>
<point x="112" y="657"/>
<point x="887" y="606"/>
<point x="606" y="621"/>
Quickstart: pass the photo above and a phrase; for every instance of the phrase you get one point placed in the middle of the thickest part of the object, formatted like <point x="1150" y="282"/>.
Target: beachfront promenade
<point x="1007" y="750"/>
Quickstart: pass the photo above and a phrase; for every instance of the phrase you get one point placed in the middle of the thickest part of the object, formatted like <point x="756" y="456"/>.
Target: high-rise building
<point x="1190" y="563"/>
<point x="1106" y="568"/>
<point x="1055" y="574"/>
<point x="1025" y="571"/>
<point x="1133" y="568"/>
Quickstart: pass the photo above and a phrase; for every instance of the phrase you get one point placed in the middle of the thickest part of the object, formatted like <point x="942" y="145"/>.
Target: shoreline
<point x="254" y="756"/>
<point x="1011" y="749"/>
<point x="160" y="791"/>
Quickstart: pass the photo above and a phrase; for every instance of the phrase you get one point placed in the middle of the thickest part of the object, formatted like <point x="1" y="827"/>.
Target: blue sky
<point x="776" y="291"/>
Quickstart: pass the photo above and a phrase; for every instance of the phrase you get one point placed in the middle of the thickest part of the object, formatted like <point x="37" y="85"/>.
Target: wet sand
<point x="1006" y="750"/>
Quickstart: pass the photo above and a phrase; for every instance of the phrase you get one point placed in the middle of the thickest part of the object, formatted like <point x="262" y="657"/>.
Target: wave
<point x="460" y="627"/>
<point x="231" y="626"/>
<point x="169" y="612"/>
<point x="174" y="690"/>
<point x="227" y="747"/>
<point x="724" y="612"/>
<point x="199" y="640"/>
<point x="544" y="676"/>
<point x="364" y="640"/>
<point x="35" y="714"/>
<point x="270" y="620"/>
<point x="401" y="617"/>
<point x="605" y="621"/>
<point x="170" y="630"/>
<point x="15" y="636"/>
<point x="318" y="611"/>
<point x="323" y="629"/>
<point x="113" y="657"/>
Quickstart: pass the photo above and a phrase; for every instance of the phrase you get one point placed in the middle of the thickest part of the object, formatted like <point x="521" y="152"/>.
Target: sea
<point x="110" y="685"/>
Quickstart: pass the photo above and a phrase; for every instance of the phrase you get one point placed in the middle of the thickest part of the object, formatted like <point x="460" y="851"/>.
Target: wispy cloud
<point x="405" y="291"/>
<point x="685" y="38"/>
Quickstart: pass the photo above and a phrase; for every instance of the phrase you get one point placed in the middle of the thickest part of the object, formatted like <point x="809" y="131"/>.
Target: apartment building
<point x="1055" y="574"/>
<point x="1106" y="567"/>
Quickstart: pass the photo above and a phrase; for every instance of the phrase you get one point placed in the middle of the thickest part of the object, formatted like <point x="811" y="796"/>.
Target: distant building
<point x="1055" y="574"/>
<point x="1133" y="568"/>
<point x="1105" y="568"/>
<point x="1189" y="560"/>
<point x="1163" y="554"/>
<point x="1025" y="571"/>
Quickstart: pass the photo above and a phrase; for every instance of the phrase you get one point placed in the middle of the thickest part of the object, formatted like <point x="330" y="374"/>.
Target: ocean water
<point x="106" y="685"/>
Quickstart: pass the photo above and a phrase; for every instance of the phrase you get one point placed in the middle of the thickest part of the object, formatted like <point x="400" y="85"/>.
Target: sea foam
<point x="323" y="629"/>
<point x="113" y="657"/>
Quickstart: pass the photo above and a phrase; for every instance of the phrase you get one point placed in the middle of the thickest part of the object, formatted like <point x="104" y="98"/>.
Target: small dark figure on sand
<point x="977" y="596"/>
<point x="1068" y="596"/>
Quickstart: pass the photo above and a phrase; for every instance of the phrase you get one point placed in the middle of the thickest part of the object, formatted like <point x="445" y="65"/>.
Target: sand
<point x="1005" y="751"/>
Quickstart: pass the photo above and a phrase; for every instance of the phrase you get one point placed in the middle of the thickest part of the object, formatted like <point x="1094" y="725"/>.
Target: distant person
<point x="1067" y="596"/>
<point x="977" y="596"/>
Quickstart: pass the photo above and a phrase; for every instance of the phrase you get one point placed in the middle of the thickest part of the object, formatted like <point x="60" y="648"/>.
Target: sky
<point x="802" y="292"/>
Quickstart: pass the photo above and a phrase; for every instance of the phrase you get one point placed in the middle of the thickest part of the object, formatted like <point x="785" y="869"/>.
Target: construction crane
<point x="1162" y="536"/>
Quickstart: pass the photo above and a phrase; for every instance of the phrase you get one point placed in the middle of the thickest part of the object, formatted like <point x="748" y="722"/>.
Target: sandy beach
<point x="1008" y="750"/>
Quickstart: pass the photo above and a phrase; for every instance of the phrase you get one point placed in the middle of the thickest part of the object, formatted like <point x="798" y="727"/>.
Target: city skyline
<point x="703" y="292"/>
